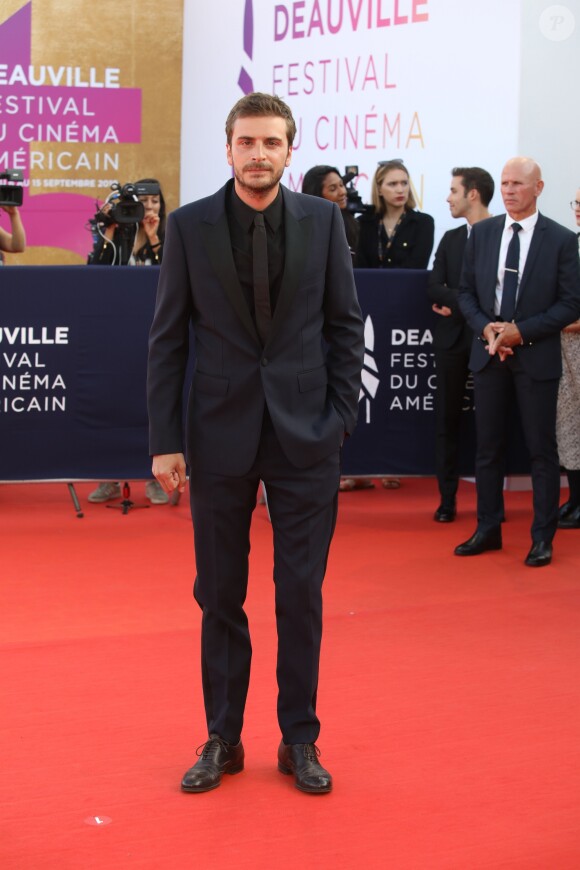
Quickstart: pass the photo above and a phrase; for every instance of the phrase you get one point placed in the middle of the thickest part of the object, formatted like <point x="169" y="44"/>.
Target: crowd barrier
<point x="73" y="349"/>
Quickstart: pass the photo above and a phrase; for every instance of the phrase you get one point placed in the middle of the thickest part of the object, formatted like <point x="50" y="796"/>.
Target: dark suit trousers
<point x="452" y="372"/>
<point x="495" y="387"/>
<point x="303" y="505"/>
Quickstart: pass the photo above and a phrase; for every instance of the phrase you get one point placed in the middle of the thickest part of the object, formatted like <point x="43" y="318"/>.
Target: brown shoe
<point x="216" y="757"/>
<point x="301" y="759"/>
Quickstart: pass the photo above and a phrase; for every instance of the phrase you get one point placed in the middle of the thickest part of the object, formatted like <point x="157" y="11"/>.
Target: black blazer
<point x="309" y="371"/>
<point x="548" y="297"/>
<point x="411" y="247"/>
<point x="443" y="288"/>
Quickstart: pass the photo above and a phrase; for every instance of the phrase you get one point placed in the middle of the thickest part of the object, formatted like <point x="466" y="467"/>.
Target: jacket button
<point x="265" y="360"/>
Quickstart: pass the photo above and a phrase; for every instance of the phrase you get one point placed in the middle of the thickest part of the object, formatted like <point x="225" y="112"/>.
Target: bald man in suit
<point x="520" y="286"/>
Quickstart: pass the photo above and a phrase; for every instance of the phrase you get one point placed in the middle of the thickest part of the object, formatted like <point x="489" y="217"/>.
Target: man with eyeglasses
<point x="520" y="286"/>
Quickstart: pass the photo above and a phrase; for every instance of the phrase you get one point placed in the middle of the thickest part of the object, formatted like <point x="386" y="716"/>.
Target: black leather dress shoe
<point x="480" y="542"/>
<point x="571" y="520"/>
<point x="445" y="513"/>
<point x="301" y="759"/>
<point x="216" y="757"/>
<point x="540" y="554"/>
<point x="565" y="509"/>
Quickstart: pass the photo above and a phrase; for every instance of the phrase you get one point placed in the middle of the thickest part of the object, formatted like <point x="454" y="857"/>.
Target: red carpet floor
<point x="449" y="695"/>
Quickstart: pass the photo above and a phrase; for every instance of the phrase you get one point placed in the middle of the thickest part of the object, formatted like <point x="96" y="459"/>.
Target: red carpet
<point x="449" y="695"/>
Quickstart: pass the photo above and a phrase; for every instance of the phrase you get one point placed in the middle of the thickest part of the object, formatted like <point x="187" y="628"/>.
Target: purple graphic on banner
<point x="38" y="108"/>
<point x="245" y="80"/>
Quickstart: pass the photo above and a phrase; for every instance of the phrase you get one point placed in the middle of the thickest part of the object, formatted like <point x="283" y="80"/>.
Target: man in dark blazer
<point x="274" y="393"/>
<point x="527" y="265"/>
<point x="470" y="193"/>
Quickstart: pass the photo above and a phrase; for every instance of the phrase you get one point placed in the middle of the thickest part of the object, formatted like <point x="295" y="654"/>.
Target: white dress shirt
<point x="527" y="230"/>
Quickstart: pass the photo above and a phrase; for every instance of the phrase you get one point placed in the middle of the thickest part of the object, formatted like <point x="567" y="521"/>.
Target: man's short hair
<point x="474" y="178"/>
<point x="259" y="105"/>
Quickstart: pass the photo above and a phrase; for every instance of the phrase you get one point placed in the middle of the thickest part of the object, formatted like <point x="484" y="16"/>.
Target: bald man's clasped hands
<point x="502" y="338"/>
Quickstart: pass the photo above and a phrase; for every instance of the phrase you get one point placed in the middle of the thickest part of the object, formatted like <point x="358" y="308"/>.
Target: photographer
<point x="14" y="242"/>
<point x="130" y="243"/>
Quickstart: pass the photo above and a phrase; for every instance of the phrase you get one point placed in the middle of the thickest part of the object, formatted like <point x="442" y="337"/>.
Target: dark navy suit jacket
<point x="548" y="296"/>
<point x="309" y="371"/>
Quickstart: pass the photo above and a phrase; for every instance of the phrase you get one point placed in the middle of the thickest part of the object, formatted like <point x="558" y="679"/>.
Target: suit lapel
<point x="216" y="236"/>
<point x="535" y="245"/>
<point x="297" y="231"/>
<point x="492" y="260"/>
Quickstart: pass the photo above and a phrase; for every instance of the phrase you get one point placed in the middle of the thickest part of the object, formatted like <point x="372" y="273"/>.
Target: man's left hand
<point x="443" y="310"/>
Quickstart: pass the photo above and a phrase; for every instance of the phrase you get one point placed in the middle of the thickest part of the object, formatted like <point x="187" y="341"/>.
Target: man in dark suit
<point x="470" y="193"/>
<point x="519" y="287"/>
<point x="274" y="393"/>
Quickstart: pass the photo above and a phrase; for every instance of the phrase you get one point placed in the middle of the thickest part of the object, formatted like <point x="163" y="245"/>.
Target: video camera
<point x="354" y="203"/>
<point x="11" y="192"/>
<point x="126" y="207"/>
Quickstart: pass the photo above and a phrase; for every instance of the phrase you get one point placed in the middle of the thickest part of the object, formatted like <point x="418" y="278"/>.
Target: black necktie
<point x="261" y="283"/>
<point x="510" y="278"/>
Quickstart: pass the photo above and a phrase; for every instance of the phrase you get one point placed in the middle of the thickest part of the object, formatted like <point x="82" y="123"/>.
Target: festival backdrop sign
<point x="83" y="106"/>
<point x="367" y="80"/>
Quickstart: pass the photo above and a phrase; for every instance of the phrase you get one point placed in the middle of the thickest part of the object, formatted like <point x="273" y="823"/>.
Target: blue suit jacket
<point x="309" y="371"/>
<point x="548" y="297"/>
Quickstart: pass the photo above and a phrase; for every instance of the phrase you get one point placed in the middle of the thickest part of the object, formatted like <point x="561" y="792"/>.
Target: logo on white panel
<point x="370" y="380"/>
<point x="557" y="23"/>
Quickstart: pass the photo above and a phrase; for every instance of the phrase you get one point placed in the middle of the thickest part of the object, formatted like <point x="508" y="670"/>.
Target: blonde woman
<point x="395" y="235"/>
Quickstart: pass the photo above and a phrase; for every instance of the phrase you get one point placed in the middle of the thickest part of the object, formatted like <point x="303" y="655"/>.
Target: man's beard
<point x="261" y="185"/>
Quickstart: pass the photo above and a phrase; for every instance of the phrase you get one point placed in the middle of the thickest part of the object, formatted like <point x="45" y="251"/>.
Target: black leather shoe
<point x="445" y="513"/>
<point x="565" y="509"/>
<point x="479" y="542"/>
<point x="301" y="759"/>
<point x="540" y="554"/>
<point x="216" y="757"/>
<point x="571" y="520"/>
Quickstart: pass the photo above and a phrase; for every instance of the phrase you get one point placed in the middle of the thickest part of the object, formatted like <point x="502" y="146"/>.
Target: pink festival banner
<point x="72" y="126"/>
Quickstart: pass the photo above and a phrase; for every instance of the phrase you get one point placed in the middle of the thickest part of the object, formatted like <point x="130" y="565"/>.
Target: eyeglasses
<point x="574" y="205"/>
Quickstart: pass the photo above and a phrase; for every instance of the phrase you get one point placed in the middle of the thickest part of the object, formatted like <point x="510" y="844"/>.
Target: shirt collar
<point x="244" y="214"/>
<point x="526" y="224"/>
